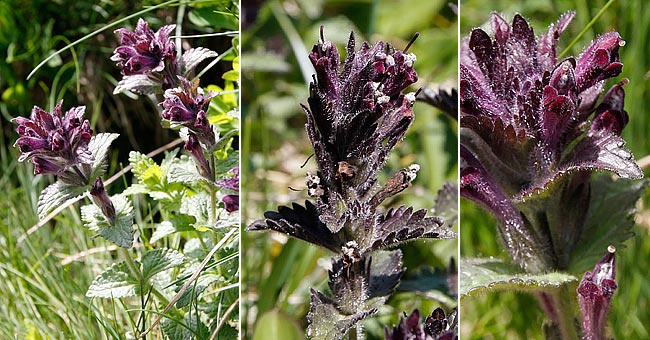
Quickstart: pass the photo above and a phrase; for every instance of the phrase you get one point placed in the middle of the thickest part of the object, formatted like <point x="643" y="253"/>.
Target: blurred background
<point x="512" y="315"/>
<point x="43" y="281"/>
<point x="276" y="37"/>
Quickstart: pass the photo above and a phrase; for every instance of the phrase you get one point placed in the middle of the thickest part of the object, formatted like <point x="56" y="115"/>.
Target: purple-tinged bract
<point x="54" y="141"/>
<point x="193" y="146"/>
<point x="532" y="134"/>
<point x="101" y="199"/>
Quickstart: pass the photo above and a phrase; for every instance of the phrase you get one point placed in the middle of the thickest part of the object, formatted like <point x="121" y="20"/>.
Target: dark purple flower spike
<point x="149" y="59"/>
<point x="595" y="293"/>
<point x="357" y="113"/>
<point x="56" y="143"/>
<point x="187" y="105"/>
<point x="145" y="52"/>
<point x="532" y="132"/>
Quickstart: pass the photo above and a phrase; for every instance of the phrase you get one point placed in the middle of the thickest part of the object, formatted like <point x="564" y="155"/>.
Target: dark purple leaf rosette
<point x="187" y="105"/>
<point x="532" y="134"/>
<point x="595" y="293"/>
<point x="57" y="143"/>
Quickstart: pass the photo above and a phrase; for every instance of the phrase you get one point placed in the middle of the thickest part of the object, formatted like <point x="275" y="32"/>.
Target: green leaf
<point x="325" y="320"/>
<point x="121" y="233"/>
<point x="176" y="224"/>
<point x="152" y="177"/>
<point x="140" y="163"/>
<point x="99" y="145"/>
<point x="223" y="166"/>
<point x="115" y="282"/>
<point x="190" y="328"/>
<point x="609" y="219"/>
<point x="55" y="194"/>
<point x="159" y="260"/>
<point x="139" y="84"/>
<point x="231" y="75"/>
<point x="275" y="324"/>
<point x="424" y="280"/>
<point x="153" y="180"/>
<point x="193" y="57"/>
<point x="197" y="206"/>
<point x="202" y="282"/>
<point x="208" y="17"/>
<point x="183" y="170"/>
<point x="446" y="204"/>
<point x="481" y="275"/>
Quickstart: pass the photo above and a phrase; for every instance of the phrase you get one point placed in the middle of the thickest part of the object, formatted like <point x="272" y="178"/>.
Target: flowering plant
<point x="357" y="114"/>
<point x="533" y="135"/>
<point x="162" y="263"/>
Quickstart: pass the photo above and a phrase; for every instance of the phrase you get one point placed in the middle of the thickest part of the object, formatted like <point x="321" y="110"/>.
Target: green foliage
<point x="55" y="194"/>
<point x="607" y="224"/>
<point x="120" y="232"/>
<point x="50" y="272"/>
<point x="480" y="275"/>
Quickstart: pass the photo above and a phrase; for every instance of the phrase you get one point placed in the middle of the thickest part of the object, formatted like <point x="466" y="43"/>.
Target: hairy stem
<point x="559" y="308"/>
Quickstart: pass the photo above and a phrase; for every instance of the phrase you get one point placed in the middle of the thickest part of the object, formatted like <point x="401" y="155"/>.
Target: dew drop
<point x="611" y="249"/>
<point x="621" y="43"/>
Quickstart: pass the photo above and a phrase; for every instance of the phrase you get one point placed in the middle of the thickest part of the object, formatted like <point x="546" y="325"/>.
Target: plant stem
<point x="213" y="192"/>
<point x="558" y="305"/>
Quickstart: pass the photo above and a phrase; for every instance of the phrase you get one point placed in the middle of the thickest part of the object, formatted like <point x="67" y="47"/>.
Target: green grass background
<point x="277" y="271"/>
<point x="517" y="315"/>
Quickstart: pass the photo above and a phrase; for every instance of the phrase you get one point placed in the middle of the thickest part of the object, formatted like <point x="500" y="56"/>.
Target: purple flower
<point x="53" y="141"/>
<point x="232" y="183"/>
<point x="231" y="202"/>
<point x="532" y="134"/>
<point x="149" y="60"/>
<point x="194" y="148"/>
<point x="357" y="113"/>
<point x="187" y="105"/>
<point x="595" y="293"/>
<point x="143" y="51"/>
<point x="101" y="200"/>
